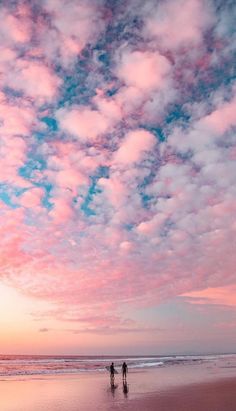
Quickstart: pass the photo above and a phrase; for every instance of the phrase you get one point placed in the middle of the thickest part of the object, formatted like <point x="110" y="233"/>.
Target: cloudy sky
<point x="117" y="176"/>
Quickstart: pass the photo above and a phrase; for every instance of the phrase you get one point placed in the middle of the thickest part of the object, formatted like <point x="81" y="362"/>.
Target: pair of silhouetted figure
<point x="124" y="375"/>
<point x="113" y="372"/>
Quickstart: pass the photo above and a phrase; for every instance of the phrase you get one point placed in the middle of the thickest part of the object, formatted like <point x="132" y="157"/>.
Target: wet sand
<point x="198" y="387"/>
<point x="212" y="396"/>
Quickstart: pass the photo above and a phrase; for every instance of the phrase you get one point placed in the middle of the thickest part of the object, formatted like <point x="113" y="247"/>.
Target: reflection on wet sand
<point x="125" y="388"/>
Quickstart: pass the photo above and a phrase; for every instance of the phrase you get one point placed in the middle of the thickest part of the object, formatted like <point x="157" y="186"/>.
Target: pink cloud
<point x="126" y="246"/>
<point x="134" y="146"/>
<point x="124" y="176"/>
<point x="69" y="166"/>
<point x="70" y="178"/>
<point x="130" y="99"/>
<point x="16" y="119"/>
<point x="116" y="190"/>
<point x="178" y="24"/>
<point x="222" y="118"/>
<point x="205" y="132"/>
<point x="152" y="226"/>
<point x="148" y="85"/>
<point x="108" y="107"/>
<point x="84" y="123"/>
<point x="88" y="124"/>
<point x="7" y="55"/>
<point x="14" y="29"/>
<point x="32" y="197"/>
<point x="73" y="24"/>
<point x="34" y="79"/>
<point x="78" y="19"/>
<point x="12" y="235"/>
<point x="13" y="155"/>
<point x="62" y="209"/>
<point x="143" y="69"/>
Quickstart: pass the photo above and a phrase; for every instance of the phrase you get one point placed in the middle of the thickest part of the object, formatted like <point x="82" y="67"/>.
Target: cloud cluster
<point x="117" y="153"/>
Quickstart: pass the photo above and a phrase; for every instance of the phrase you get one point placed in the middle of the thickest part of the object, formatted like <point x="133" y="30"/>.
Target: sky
<point x="117" y="176"/>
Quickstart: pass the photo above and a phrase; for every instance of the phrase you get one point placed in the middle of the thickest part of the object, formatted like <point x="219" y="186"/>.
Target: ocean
<point x="20" y="365"/>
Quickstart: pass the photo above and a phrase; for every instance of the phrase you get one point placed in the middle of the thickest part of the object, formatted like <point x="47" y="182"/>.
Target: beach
<point x="200" y="386"/>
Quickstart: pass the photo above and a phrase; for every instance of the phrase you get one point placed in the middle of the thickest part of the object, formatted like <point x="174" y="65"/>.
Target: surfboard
<point x="108" y="369"/>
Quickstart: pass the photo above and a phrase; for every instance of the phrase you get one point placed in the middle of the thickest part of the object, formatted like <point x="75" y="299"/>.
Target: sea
<point x="36" y="365"/>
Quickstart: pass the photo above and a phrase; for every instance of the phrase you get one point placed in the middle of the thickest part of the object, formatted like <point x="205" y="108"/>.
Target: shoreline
<point x="198" y="387"/>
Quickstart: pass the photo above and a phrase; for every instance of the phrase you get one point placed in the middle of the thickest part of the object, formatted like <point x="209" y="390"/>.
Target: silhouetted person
<point x="112" y="373"/>
<point x="124" y="370"/>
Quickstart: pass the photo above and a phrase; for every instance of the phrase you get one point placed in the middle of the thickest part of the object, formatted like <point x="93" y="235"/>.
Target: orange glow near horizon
<point x="28" y="328"/>
<point x="19" y="330"/>
<point x="218" y="295"/>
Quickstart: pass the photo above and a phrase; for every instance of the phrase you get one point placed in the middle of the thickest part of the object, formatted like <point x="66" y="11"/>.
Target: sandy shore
<point x="199" y="387"/>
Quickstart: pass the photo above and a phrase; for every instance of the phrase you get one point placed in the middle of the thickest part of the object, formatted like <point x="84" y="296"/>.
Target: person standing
<point x="112" y="373"/>
<point x="124" y="370"/>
